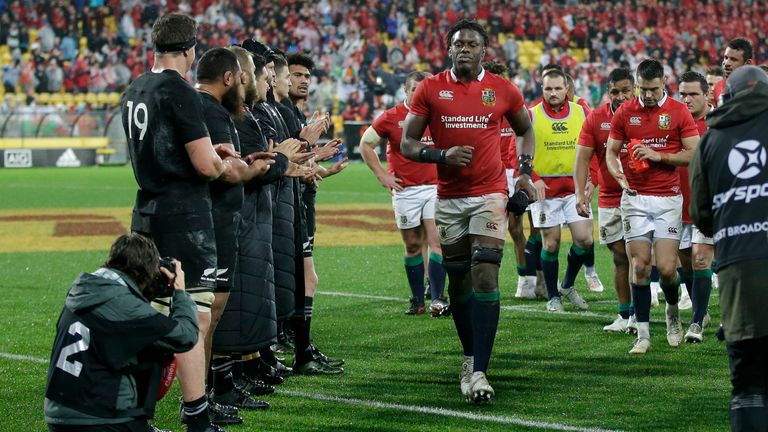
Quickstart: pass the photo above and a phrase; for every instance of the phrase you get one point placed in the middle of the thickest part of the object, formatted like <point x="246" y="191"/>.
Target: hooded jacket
<point x="110" y="348"/>
<point x="729" y="178"/>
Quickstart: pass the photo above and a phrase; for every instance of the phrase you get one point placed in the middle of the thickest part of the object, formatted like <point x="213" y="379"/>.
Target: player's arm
<point x="682" y="158"/>
<point x="581" y="172"/>
<point x="204" y="159"/>
<point x="612" y="150"/>
<point x="526" y="145"/>
<point x="368" y="144"/>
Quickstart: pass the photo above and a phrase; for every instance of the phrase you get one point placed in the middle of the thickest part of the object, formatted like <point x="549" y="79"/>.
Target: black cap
<point x="259" y="48"/>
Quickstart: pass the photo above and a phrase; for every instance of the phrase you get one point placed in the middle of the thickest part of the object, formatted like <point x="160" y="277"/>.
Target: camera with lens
<point x="518" y="202"/>
<point x="163" y="286"/>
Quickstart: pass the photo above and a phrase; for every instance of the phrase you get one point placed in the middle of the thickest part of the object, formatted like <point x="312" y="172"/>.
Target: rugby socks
<point x="221" y="369"/>
<point x="702" y="288"/>
<point x="654" y="274"/>
<point x="671" y="292"/>
<point x="550" y="266"/>
<point x="436" y="276"/>
<point x="461" y="310"/>
<point x="196" y="412"/>
<point x="576" y="258"/>
<point x="268" y="356"/>
<point x="631" y="308"/>
<point x="624" y="309"/>
<point x="589" y="260"/>
<point x="302" y="325"/>
<point x="641" y="297"/>
<point x="522" y="270"/>
<point x="687" y="279"/>
<point x="485" y="313"/>
<point x="532" y="252"/>
<point x="414" y="269"/>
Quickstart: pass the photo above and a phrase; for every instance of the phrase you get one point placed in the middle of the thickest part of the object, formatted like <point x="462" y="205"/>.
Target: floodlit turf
<point x="550" y="371"/>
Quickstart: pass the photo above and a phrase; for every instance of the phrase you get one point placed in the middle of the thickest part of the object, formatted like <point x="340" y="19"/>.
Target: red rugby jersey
<point x="718" y="90"/>
<point x="594" y="134"/>
<point x="662" y="127"/>
<point x="508" y="145"/>
<point x="685" y="185"/>
<point x="468" y="114"/>
<point x="389" y="126"/>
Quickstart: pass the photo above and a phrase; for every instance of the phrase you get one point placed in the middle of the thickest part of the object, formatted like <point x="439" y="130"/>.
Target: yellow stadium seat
<point x="83" y="42"/>
<point x="91" y="98"/>
<point x="56" y="99"/>
<point x="79" y="98"/>
<point x="42" y="98"/>
<point x="114" y="98"/>
<point x="32" y="35"/>
<point x="68" y="98"/>
<point x="102" y="98"/>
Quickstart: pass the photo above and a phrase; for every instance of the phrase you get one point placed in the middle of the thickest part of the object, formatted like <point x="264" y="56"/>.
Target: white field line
<point x="525" y="309"/>
<point x="442" y="412"/>
<point x="396" y="407"/>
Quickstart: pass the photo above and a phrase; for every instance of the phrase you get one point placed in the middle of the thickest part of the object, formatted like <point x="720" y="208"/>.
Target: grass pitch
<point x="550" y="371"/>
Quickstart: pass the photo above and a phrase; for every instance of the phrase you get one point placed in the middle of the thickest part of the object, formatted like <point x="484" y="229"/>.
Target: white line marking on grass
<point x="23" y="358"/>
<point x="517" y="308"/>
<point x="443" y="412"/>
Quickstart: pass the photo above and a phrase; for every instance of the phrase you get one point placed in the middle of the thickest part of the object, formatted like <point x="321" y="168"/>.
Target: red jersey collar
<point x="480" y="76"/>
<point x="658" y="104"/>
<point x="563" y="113"/>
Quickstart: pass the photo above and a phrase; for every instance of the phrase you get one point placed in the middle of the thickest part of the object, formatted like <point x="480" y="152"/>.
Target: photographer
<point x="111" y="345"/>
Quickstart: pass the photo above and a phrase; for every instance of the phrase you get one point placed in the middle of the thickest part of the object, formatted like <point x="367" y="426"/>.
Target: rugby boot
<point x="641" y="346"/>
<point x="674" y="326"/>
<point x="555" y="305"/>
<point x="255" y="386"/>
<point x="694" y="334"/>
<point x="482" y="392"/>
<point x="239" y="398"/>
<point x="573" y="296"/>
<point x="618" y="325"/>
<point x="315" y="367"/>
<point x="593" y="282"/>
<point x="465" y="377"/>
<point x="331" y="361"/>
<point x="416" y="307"/>
<point x="439" y="308"/>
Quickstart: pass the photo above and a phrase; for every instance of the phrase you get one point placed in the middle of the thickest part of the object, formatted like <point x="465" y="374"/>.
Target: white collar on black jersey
<point x="658" y="104"/>
<point x="479" y="76"/>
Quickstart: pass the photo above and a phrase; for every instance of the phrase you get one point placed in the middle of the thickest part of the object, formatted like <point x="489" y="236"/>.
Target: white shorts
<point x="413" y="204"/>
<point x="609" y="221"/>
<point x="657" y="216"/>
<point x="511" y="180"/>
<point x="555" y="211"/>
<point x="685" y="236"/>
<point x="697" y="237"/>
<point x="484" y="215"/>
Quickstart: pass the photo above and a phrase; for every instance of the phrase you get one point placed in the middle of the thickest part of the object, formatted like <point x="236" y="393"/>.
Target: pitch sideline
<point x="510" y="420"/>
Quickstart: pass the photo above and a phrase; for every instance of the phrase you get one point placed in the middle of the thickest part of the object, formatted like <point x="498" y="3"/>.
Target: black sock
<point x="268" y="356"/>
<point x="249" y="368"/>
<point x="436" y="276"/>
<point x="654" y="274"/>
<point x="461" y="310"/>
<point x="414" y="269"/>
<point x="485" y="313"/>
<point x="589" y="256"/>
<point x="308" y="308"/>
<point x="687" y="279"/>
<point x="221" y="369"/>
<point x="532" y="252"/>
<point x="702" y="288"/>
<point x="550" y="266"/>
<point x="641" y="297"/>
<point x="576" y="258"/>
<point x="303" y="353"/>
<point x="196" y="409"/>
<point x="671" y="292"/>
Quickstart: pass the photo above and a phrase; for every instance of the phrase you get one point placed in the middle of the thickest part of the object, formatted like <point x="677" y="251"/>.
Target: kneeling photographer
<point x="111" y="345"/>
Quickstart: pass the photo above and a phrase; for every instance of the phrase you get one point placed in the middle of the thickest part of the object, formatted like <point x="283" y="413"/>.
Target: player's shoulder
<point x="600" y="113"/>
<point x="630" y="106"/>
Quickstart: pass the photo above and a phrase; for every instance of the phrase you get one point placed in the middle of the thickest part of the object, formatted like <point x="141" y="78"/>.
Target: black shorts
<point x="225" y="227"/>
<point x="194" y="246"/>
<point x="308" y="198"/>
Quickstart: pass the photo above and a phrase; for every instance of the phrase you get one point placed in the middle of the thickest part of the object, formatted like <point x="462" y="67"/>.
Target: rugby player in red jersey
<point x="414" y="190"/>
<point x="738" y="53"/>
<point x="696" y="249"/>
<point x="592" y="142"/>
<point x="651" y="205"/>
<point x="463" y="108"/>
<point x="714" y="76"/>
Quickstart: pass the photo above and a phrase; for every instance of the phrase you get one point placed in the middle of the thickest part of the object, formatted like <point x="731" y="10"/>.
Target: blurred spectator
<point x="55" y="76"/>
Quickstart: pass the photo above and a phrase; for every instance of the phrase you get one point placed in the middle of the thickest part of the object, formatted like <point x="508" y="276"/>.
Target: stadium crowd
<point x="364" y="49"/>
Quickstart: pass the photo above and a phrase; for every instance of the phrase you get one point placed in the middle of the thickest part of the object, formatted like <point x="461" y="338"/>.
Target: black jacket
<point x="94" y="379"/>
<point x="249" y="320"/>
<point x="729" y="178"/>
<point x="283" y="220"/>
